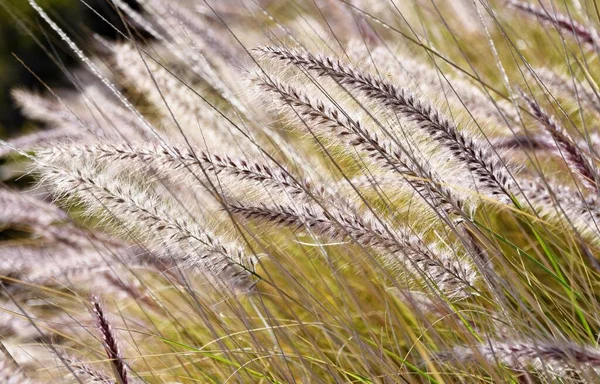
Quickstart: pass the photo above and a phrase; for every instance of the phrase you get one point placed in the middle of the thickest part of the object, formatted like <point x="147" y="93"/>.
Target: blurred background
<point x="29" y="52"/>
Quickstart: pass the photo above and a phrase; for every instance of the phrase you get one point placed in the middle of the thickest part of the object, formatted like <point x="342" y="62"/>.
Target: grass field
<point x="309" y="191"/>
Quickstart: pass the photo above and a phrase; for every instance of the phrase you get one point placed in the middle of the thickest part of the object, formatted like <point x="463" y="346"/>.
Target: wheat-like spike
<point x="522" y="141"/>
<point x="38" y="107"/>
<point x="195" y="27"/>
<point x="479" y="160"/>
<point x="95" y="70"/>
<point x="557" y="82"/>
<point x="44" y="219"/>
<point x="109" y="340"/>
<point x="33" y="263"/>
<point x="76" y="118"/>
<point x="18" y="210"/>
<point x="519" y="353"/>
<point x="81" y="368"/>
<point x="452" y="277"/>
<point x="415" y="74"/>
<point x="384" y="152"/>
<point x="178" y="105"/>
<point x="52" y="273"/>
<point x="537" y="191"/>
<point x="174" y="158"/>
<point x="555" y="199"/>
<point x="16" y="207"/>
<point x="167" y="159"/>
<point x="590" y="204"/>
<point x="182" y="239"/>
<point x="27" y="142"/>
<point x="82" y="114"/>
<point x="138" y="19"/>
<point x="562" y="22"/>
<point x="180" y="33"/>
<point x="573" y="155"/>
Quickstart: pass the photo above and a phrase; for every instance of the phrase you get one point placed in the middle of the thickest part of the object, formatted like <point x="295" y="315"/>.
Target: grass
<point x="310" y="192"/>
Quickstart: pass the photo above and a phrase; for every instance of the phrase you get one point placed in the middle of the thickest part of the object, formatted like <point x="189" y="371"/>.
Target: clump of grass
<point x="316" y="193"/>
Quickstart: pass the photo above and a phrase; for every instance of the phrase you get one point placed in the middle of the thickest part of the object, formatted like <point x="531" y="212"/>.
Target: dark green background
<point x="20" y="27"/>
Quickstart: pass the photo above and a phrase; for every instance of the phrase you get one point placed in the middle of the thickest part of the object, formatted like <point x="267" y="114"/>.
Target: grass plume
<point x="307" y="191"/>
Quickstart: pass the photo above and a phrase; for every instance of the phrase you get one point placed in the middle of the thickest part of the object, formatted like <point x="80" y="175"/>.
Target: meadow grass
<point x="309" y="191"/>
